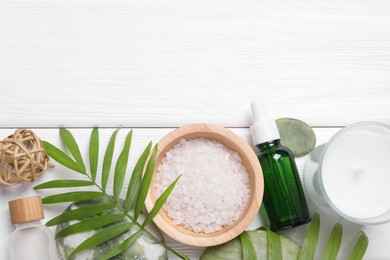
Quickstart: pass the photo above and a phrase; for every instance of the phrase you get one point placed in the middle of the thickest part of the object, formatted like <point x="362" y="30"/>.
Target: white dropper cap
<point x="263" y="129"/>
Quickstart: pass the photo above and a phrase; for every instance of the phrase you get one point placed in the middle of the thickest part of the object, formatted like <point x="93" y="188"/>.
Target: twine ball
<point x="22" y="158"/>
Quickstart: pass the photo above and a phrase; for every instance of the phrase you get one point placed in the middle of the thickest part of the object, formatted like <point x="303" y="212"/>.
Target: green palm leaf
<point x="63" y="184"/>
<point x="123" y="246"/>
<point x="264" y="217"/>
<point x="136" y="178"/>
<point x="360" y="247"/>
<point x="94" y="216"/>
<point x="73" y="148"/>
<point x="94" y="152"/>
<point x="160" y="202"/>
<point x="72" y="196"/>
<point x="334" y="242"/>
<point x="248" y="250"/>
<point x="183" y="256"/>
<point x="108" y="160"/>
<point x="145" y="184"/>
<point x="310" y="245"/>
<point x="274" y="246"/>
<point x="102" y="236"/>
<point x="90" y="224"/>
<point x="80" y="213"/>
<point x="61" y="157"/>
<point x="121" y="166"/>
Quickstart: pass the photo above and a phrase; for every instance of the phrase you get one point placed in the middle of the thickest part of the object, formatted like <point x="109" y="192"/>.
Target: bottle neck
<point x="27" y="224"/>
<point x="268" y="145"/>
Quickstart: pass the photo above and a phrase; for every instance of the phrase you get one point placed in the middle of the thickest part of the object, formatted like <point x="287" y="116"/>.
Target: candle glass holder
<point x="349" y="175"/>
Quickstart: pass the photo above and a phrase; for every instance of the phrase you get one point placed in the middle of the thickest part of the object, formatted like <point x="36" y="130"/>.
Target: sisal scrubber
<point x="22" y="158"/>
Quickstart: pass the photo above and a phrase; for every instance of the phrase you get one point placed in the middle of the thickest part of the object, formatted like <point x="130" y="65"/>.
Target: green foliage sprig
<point x="274" y="249"/>
<point x="135" y="197"/>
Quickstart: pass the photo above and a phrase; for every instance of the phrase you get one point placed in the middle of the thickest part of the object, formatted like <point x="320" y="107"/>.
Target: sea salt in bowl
<point x="255" y="184"/>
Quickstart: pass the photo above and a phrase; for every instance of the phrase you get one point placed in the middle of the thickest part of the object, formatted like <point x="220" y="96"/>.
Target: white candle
<point x="355" y="171"/>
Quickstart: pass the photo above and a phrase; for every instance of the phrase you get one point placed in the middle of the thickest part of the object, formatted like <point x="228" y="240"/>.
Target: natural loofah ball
<point x="22" y="158"/>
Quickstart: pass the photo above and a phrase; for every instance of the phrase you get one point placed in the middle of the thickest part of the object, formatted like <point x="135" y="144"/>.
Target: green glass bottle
<point x="284" y="199"/>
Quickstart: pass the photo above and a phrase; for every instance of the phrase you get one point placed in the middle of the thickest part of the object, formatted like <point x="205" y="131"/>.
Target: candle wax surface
<point x="356" y="172"/>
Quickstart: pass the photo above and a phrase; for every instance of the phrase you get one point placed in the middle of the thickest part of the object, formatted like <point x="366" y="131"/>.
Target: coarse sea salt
<point x="213" y="189"/>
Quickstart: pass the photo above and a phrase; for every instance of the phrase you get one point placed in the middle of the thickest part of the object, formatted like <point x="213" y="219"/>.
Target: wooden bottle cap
<point x="26" y="209"/>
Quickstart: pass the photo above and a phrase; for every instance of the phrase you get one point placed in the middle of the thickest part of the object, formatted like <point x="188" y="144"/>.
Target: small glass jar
<point x="349" y="176"/>
<point x="30" y="240"/>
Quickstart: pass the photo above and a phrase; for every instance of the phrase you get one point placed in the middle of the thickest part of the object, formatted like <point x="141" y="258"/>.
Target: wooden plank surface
<point x="155" y="65"/>
<point x="167" y="63"/>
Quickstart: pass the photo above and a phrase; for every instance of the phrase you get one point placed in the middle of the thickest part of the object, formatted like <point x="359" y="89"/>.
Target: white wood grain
<point x="379" y="235"/>
<point x="149" y="63"/>
<point x="167" y="63"/>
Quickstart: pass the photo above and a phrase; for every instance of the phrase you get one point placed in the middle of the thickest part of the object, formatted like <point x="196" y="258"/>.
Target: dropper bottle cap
<point x="26" y="209"/>
<point x="263" y="129"/>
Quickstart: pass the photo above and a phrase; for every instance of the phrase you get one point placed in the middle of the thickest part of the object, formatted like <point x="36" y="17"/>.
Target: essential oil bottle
<point x="284" y="199"/>
<point x="30" y="240"/>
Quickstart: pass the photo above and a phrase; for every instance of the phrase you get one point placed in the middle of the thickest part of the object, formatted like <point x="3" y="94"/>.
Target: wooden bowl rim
<point x="188" y="237"/>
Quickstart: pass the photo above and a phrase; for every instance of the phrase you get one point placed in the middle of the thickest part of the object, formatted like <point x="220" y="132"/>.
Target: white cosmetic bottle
<point x="30" y="240"/>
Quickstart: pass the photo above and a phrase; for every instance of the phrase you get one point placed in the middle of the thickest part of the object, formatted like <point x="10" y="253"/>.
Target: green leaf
<point x="264" y="217"/>
<point x="82" y="212"/>
<point x="309" y="246"/>
<point x="90" y="224"/>
<point x="360" y="247"/>
<point x="123" y="246"/>
<point x="108" y="160"/>
<point x="73" y="148"/>
<point x="61" y="157"/>
<point x="334" y="242"/>
<point x="63" y="184"/>
<point x="102" y="236"/>
<point x="145" y="184"/>
<point x="248" y="251"/>
<point x="72" y="196"/>
<point x="136" y="178"/>
<point x="160" y="202"/>
<point x="121" y="166"/>
<point x="274" y="245"/>
<point x="133" y="196"/>
<point x="94" y="152"/>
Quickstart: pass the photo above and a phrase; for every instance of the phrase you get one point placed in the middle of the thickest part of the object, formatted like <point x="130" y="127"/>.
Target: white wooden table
<point x="155" y="65"/>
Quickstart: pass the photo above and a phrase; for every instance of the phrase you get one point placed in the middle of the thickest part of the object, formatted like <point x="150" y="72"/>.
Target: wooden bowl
<point x="256" y="185"/>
